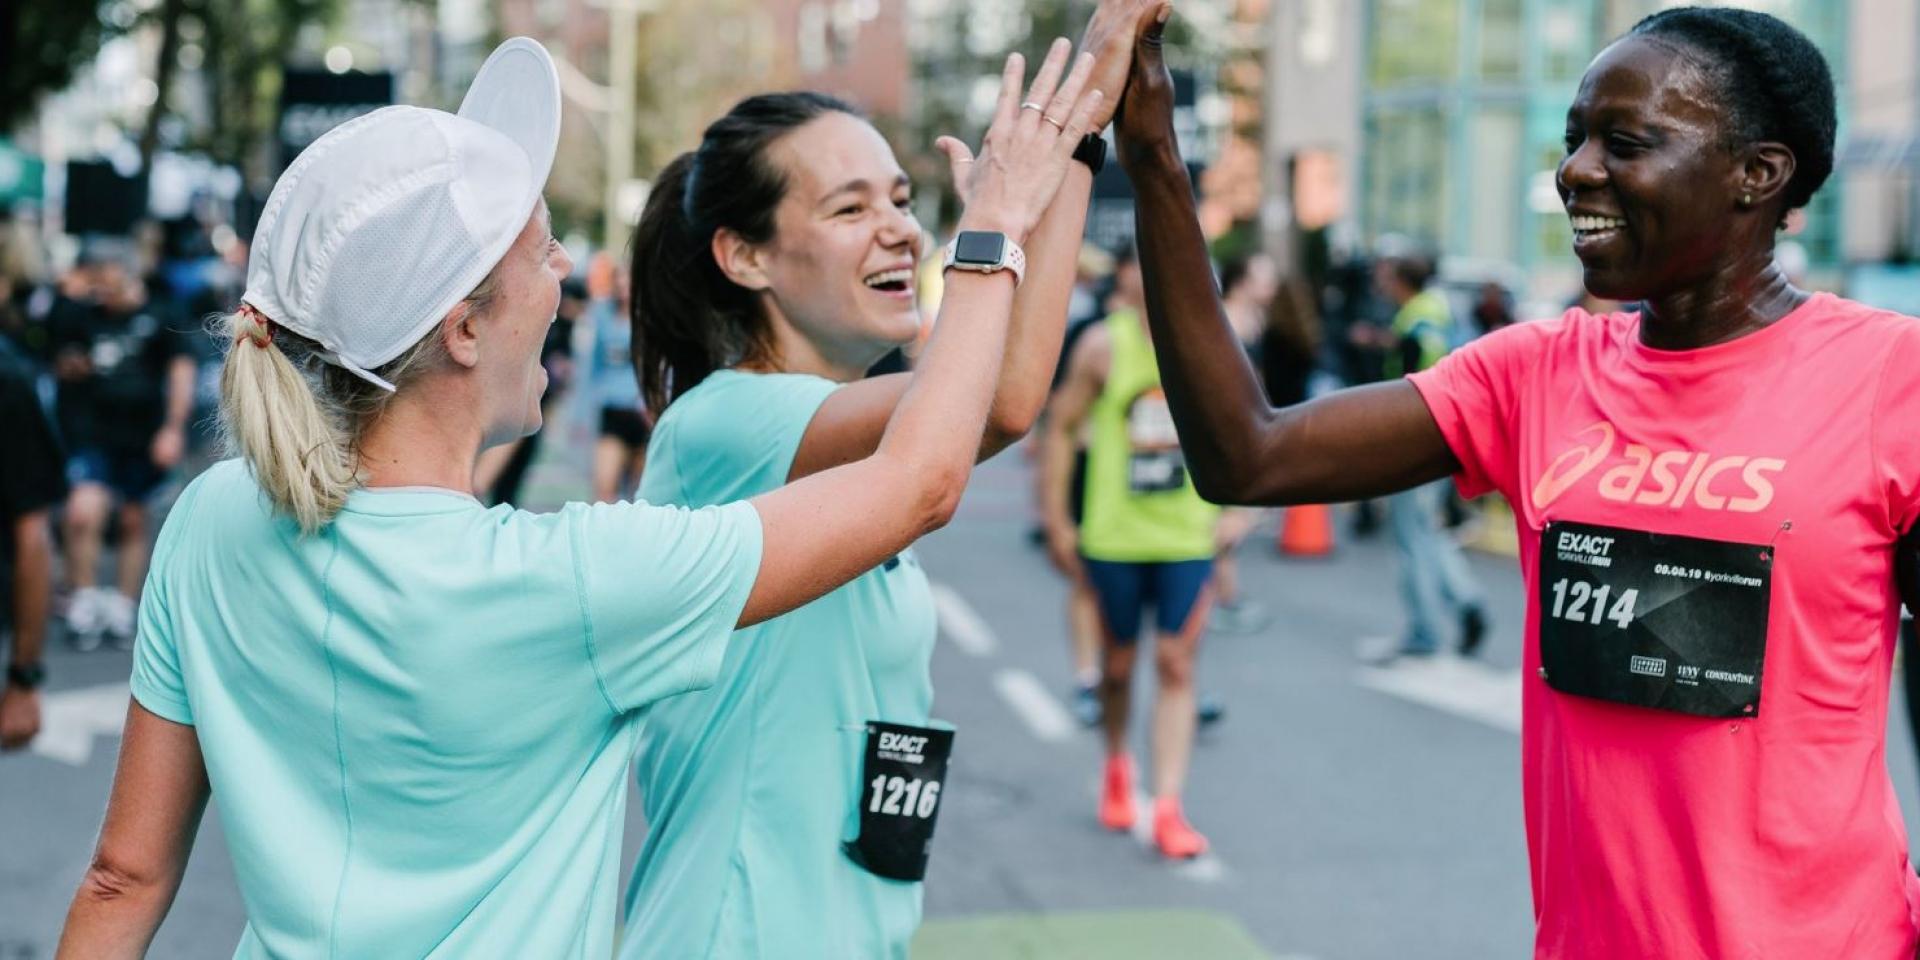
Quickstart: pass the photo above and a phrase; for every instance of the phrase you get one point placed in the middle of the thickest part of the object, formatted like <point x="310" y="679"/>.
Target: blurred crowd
<point x="110" y="373"/>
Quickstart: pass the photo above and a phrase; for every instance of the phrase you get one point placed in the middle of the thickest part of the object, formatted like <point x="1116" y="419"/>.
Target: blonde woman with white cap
<point x="416" y="712"/>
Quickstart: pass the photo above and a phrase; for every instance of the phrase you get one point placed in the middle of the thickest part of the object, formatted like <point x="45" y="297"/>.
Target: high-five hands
<point x="1111" y="36"/>
<point x="1025" y="153"/>
<point x="1143" y="129"/>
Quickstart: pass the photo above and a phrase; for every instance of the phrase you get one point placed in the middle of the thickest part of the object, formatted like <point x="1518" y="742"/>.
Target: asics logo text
<point x="1672" y="478"/>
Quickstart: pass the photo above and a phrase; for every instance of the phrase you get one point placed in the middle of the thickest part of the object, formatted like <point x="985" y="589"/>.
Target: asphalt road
<point x="1354" y="814"/>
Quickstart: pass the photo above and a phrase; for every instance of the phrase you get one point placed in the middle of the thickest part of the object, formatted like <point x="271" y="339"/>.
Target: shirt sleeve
<point x="157" y="681"/>
<point x="1896" y="441"/>
<point x="661" y="588"/>
<point x="738" y="440"/>
<point x="1473" y="395"/>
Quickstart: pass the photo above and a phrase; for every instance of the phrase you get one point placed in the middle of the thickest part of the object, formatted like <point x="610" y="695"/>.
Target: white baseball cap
<point x="386" y="222"/>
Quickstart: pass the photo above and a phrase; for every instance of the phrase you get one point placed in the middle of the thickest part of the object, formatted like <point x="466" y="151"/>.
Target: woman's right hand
<point x="1025" y="153"/>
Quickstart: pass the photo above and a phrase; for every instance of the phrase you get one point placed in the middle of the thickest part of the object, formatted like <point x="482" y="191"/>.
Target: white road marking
<point x="1043" y="715"/>
<point x="960" y="624"/>
<point x="1447" y="683"/>
<point x="70" y="719"/>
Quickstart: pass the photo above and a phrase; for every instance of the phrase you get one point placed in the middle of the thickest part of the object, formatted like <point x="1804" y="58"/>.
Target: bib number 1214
<point x="1581" y="602"/>
<point x="903" y="797"/>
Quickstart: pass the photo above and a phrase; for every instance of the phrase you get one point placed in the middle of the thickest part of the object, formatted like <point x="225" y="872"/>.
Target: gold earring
<point x="1746" y="199"/>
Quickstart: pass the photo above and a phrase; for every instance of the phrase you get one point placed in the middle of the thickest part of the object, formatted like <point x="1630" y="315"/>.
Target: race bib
<point x="1154" y="461"/>
<point x="1654" y="620"/>
<point x="900" y="799"/>
<point x="1158" y="471"/>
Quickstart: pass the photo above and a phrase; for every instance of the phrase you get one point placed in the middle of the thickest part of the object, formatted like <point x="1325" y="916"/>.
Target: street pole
<point x="624" y="64"/>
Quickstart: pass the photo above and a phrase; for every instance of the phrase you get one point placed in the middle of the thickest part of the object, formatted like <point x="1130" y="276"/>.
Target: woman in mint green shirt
<point x="416" y="712"/>
<point x="772" y="267"/>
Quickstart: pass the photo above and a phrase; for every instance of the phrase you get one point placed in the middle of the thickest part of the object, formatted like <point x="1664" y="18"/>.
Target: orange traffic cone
<point x="1306" y="530"/>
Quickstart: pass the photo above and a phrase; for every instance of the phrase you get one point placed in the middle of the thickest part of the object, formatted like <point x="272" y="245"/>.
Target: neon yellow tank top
<point x="1141" y="506"/>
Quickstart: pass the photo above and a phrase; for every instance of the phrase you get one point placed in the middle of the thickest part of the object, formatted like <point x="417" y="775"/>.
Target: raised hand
<point x="1027" y="148"/>
<point x="1110" y="37"/>
<point x="1143" y="130"/>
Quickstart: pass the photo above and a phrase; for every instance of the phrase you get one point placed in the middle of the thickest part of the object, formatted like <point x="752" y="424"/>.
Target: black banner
<point x="315" y="101"/>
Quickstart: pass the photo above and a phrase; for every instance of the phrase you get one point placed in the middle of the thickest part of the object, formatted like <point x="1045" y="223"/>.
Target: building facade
<point x="1457" y="120"/>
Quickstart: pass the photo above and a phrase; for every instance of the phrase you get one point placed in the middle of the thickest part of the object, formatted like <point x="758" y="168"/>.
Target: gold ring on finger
<point x="1057" y="125"/>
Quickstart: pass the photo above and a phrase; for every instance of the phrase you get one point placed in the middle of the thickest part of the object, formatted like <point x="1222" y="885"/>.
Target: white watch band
<point x="1011" y="258"/>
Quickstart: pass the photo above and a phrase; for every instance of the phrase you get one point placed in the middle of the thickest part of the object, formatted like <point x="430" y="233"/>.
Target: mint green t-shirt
<point x="417" y="722"/>
<point x="750" y="786"/>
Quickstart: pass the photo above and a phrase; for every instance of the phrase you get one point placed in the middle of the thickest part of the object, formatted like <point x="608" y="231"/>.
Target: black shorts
<point x="625" y="424"/>
<point x="130" y="474"/>
<point x="1077" y="488"/>
<point x="32" y="466"/>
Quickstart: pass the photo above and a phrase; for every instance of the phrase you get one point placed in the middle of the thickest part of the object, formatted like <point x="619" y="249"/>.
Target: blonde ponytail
<point x="270" y="416"/>
<point x="297" y="419"/>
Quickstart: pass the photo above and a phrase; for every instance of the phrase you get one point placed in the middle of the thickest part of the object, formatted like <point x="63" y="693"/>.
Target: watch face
<point x="978" y="247"/>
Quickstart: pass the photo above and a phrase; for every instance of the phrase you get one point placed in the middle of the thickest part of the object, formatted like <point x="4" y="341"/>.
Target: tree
<point x="960" y="46"/>
<point x="248" y="44"/>
<point x="42" y="45"/>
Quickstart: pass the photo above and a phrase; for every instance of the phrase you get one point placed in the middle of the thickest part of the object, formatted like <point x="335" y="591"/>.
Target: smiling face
<point x="1649" y="178"/>
<point x="514" y="326"/>
<point x="840" y="266"/>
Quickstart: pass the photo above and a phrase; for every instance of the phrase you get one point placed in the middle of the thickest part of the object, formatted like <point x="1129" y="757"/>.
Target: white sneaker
<point x="118" y="618"/>
<point x="86" y="618"/>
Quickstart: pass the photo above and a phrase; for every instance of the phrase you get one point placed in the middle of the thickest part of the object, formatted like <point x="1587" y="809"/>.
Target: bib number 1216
<point x="1581" y="602"/>
<point x="903" y="797"/>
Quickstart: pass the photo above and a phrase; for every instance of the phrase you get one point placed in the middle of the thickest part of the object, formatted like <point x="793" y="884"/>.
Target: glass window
<point x="1495" y="185"/>
<point x="1501" y="42"/>
<point x="1552" y="233"/>
<point x="1566" y="36"/>
<point x="1407" y="173"/>
<point x="1414" y="40"/>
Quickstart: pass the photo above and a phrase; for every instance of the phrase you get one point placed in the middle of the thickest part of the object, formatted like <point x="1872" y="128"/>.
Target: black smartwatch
<point x="1092" y="151"/>
<point x="28" y="676"/>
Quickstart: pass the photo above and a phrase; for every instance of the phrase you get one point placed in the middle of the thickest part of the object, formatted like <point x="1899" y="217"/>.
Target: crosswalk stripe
<point x="1452" y="685"/>
<point x="961" y="624"/>
<point x="1045" y="718"/>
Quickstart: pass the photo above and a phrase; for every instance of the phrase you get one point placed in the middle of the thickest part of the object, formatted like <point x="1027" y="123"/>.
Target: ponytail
<point x="270" y="416"/>
<point x="297" y="419"/>
<point x="689" y="319"/>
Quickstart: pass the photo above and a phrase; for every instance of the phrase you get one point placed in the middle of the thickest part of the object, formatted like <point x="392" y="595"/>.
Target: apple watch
<point x="983" y="251"/>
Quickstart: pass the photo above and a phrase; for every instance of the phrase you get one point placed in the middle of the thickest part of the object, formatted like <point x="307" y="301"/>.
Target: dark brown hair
<point x="688" y="318"/>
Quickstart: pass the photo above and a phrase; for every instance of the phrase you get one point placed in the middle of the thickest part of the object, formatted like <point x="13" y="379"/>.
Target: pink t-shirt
<point x="1658" y="834"/>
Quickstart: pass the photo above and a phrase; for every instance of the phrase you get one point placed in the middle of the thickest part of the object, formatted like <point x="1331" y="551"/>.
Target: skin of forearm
<point x="963" y="361"/>
<point x="1217" y="403"/>
<point x="109" y="922"/>
<point x="179" y="392"/>
<point x="1040" y="311"/>
<point x="1056" y="465"/>
<point x="32" y="586"/>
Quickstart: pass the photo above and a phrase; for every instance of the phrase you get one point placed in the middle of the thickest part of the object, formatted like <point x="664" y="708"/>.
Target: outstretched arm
<point x="159" y="793"/>
<point x="1355" y="443"/>
<point x="848" y="425"/>
<point x="826" y="529"/>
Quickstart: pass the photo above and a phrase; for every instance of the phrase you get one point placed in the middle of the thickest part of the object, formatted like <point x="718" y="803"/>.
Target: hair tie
<point x="261" y="330"/>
